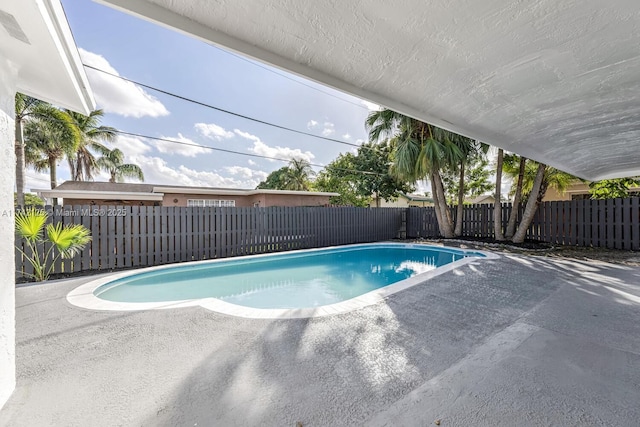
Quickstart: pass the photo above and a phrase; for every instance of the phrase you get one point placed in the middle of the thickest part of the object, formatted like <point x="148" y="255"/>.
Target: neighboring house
<point x="405" y="201"/>
<point x="108" y="193"/>
<point x="486" y="199"/>
<point x="38" y="57"/>
<point x="577" y="190"/>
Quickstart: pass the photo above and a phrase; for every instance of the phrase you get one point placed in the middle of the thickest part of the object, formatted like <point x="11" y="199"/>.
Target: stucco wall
<point x="168" y="199"/>
<point x="7" y="263"/>
<point x="294" y="200"/>
<point x="263" y="200"/>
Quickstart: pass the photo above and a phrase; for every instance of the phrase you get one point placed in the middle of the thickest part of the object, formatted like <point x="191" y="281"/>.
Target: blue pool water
<point x="285" y="280"/>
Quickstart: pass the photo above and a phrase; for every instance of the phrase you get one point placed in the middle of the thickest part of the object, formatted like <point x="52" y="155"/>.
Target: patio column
<point x="8" y="79"/>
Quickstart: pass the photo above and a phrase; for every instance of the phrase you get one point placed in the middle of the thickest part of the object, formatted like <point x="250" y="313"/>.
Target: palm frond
<point x="29" y="224"/>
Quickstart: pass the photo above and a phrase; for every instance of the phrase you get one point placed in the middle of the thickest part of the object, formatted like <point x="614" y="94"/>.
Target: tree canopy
<point x="295" y="176"/>
<point x="612" y="188"/>
<point x="363" y="176"/>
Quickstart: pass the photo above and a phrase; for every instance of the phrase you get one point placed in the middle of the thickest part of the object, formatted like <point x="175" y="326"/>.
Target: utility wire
<point x="224" y="150"/>
<point x="203" y="104"/>
<point x="257" y="64"/>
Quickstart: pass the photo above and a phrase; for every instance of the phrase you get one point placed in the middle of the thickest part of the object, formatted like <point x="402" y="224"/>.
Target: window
<point x="211" y="203"/>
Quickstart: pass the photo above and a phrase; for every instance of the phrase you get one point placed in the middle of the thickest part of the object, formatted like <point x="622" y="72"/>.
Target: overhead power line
<point x="222" y="110"/>
<point x="257" y="64"/>
<point x="224" y="150"/>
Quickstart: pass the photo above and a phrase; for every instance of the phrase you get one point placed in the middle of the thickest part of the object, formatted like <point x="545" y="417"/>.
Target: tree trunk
<point x="113" y="177"/>
<point x="446" y="226"/>
<point x="52" y="177"/>
<point x="72" y="169"/>
<point x="532" y="205"/>
<point x="436" y="206"/>
<point x="511" y="225"/>
<point x="497" y="205"/>
<point x="460" y="208"/>
<point x="19" y="163"/>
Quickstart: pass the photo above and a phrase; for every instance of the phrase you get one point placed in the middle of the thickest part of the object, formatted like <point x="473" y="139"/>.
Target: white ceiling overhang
<point x="36" y="39"/>
<point x="556" y="81"/>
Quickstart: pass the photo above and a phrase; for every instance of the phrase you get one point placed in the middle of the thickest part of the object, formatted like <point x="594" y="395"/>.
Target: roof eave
<point x="103" y="195"/>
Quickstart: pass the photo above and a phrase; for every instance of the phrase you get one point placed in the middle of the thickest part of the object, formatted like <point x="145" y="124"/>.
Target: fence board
<point x="635" y="224"/>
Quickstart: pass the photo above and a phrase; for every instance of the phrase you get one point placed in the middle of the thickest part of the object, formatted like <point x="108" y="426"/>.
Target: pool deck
<point x="515" y="341"/>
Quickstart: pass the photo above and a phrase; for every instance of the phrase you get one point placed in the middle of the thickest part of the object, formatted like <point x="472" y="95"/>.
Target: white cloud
<point x="118" y="96"/>
<point x="213" y="131"/>
<point x="131" y="145"/>
<point x="247" y="135"/>
<point x="263" y="149"/>
<point x="346" y="136"/>
<point x="157" y="171"/>
<point x="370" y="105"/>
<point x="311" y="124"/>
<point x="180" y="149"/>
<point x="246" y="173"/>
<point x="251" y="162"/>
<point x="328" y="129"/>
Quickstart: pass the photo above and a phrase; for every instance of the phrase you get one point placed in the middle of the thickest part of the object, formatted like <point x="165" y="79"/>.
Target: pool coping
<point x="83" y="296"/>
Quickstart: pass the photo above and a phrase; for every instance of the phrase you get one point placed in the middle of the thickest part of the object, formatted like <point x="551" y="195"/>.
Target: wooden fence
<point x="138" y="236"/>
<point x="612" y="223"/>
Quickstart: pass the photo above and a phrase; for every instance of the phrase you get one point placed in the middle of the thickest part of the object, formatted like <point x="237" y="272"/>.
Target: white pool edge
<point x="83" y="296"/>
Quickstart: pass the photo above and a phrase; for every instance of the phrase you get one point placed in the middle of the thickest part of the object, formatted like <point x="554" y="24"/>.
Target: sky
<point x="161" y="58"/>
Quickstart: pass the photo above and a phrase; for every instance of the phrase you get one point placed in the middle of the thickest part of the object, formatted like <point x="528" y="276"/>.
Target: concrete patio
<point x="514" y="341"/>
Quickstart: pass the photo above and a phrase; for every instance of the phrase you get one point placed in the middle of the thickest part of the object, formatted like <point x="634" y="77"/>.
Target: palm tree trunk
<point x="52" y="176"/>
<point x="497" y="205"/>
<point x="113" y="176"/>
<point x="446" y="226"/>
<point x="511" y="225"/>
<point x="532" y="205"/>
<point x="460" y="209"/>
<point x="72" y="168"/>
<point x="19" y="163"/>
<point x="436" y="206"/>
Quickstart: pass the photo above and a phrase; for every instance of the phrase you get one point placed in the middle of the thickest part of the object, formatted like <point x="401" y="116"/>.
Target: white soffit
<point x="36" y="39"/>
<point x="556" y="81"/>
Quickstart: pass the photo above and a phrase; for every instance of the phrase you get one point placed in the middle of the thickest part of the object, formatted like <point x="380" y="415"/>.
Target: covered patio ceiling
<point x="558" y="82"/>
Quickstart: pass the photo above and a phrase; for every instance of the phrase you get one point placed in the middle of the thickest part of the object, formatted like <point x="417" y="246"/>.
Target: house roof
<point x="37" y="40"/>
<point x="482" y="198"/>
<point x="554" y="81"/>
<point x="417" y="198"/>
<point x="117" y="191"/>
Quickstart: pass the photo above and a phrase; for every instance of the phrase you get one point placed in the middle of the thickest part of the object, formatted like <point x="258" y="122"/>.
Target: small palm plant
<point x="63" y="241"/>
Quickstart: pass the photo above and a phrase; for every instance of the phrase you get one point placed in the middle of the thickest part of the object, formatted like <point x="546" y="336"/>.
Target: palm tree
<point x="297" y="175"/>
<point x="421" y="150"/>
<point x="509" y="164"/>
<point x="497" y="206"/>
<point x="83" y="163"/>
<point x="536" y="179"/>
<point x="112" y="161"/>
<point x="46" y="142"/>
<point x="532" y="205"/>
<point x="27" y="108"/>
<point x="470" y="150"/>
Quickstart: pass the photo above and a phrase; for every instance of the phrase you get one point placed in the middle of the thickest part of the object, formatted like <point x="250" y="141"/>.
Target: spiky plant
<point x="63" y="241"/>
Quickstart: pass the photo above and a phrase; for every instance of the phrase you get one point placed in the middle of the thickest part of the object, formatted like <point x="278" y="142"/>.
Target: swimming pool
<point x="291" y="284"/>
